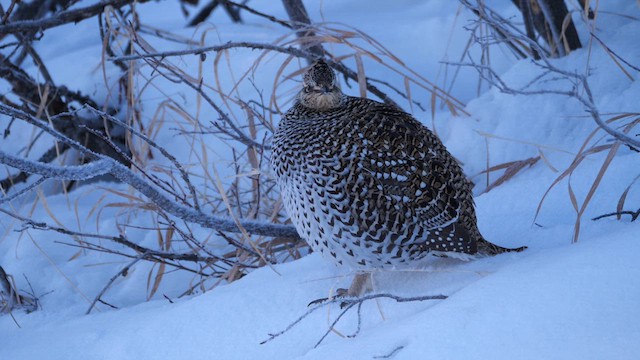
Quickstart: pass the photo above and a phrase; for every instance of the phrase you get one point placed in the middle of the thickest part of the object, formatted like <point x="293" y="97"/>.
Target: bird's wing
<point x="406" y="169"/>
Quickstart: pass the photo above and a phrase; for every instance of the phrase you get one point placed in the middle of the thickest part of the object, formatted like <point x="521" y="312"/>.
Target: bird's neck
<point x="322" y="102"/>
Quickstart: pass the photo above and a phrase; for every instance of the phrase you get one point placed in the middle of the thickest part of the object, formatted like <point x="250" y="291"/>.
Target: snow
<point x="557" y="300"/>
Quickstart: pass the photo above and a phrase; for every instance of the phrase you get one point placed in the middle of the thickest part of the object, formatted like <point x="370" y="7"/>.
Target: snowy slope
<point x="557" y="300"/>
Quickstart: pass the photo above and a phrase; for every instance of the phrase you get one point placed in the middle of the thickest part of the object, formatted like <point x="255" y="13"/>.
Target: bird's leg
<point x="360" y="285"/>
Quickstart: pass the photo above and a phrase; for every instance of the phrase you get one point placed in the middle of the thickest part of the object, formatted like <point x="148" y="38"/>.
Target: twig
<point x="349" y="303"/>
<point x="609" y="50"/>
<point x="206" y="11"/>
<point x="23" y="191"/>
<point x="6" y="14"/>
<point x="191" y="257"/>
<point x="634" y="214"/>
<point x="261" y="14"/>
<point x="345" y="309"/>
<point x="236" y="134"/>
<point x="122" y="272"/>
<point x="391" y="354"/>
<point x="108" y="165"/>
<point x="575" y="79"/>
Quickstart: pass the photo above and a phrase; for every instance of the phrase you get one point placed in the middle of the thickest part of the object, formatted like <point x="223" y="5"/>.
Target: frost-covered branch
<point x="21" y="192"/>
<point x="108" y="165"/>
<point x="78" y="173"/>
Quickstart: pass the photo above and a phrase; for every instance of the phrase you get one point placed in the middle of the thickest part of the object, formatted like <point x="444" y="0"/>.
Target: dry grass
<point x="590" y="147"/>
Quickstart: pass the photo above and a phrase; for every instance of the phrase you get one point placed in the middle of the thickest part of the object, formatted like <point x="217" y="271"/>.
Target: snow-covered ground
<point x="557" y="300"/>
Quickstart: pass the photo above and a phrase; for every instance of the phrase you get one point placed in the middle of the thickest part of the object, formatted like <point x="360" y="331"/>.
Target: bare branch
<point x="122" y="272"/>
<point x="634" y="215"/>
<point x="108" y="165"/>
<point x="23" y="191"/>
<point x="61" y="18"/>
<point x="163" y="151"/>
<point x="347" y="304"/>
<point x="290" y="50"/>
<point x="301" y="22"/>
<point x="259" y="13"/>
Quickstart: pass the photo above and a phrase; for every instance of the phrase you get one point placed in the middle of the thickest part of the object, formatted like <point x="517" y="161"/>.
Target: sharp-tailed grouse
<point x="369" y="186"/>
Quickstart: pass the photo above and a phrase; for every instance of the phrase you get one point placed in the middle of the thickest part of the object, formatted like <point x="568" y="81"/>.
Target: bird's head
<point x="319" y="88"/>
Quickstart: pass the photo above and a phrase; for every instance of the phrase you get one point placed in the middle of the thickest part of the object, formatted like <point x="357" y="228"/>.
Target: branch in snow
<point x="391" y="354"/>
<point x="634" y="215"/>
<point x="347" y="304"/>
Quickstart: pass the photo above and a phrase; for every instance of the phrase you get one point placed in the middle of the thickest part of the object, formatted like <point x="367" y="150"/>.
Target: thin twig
<point x="191" y="257"/>
<point x="163" y="151"/>
<point x="634" y="214"/>
<point x="23" y="191"/>
<point x="290" y="50"/>
<point x="122" y="272"/>
<point x="350" y="303"/>
<point x="391" y="354"/>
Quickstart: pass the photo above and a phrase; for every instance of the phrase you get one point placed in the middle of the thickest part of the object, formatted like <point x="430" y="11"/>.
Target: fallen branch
<point x="347" y="304"/>
<point x="634" y="215"/>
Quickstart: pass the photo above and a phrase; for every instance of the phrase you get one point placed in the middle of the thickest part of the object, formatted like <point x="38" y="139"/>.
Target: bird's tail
<point x="487" y="248"/>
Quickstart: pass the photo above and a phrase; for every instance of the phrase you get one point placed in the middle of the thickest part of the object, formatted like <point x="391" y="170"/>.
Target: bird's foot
<point x="361" y="284"/>
<point x="340" y="294"/>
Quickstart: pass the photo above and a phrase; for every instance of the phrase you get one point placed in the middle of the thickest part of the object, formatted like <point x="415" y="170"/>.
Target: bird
<point x="368" y="186"/>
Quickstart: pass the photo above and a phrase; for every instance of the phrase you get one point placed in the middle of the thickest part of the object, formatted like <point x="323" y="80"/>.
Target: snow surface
<point x="557" y="300"/>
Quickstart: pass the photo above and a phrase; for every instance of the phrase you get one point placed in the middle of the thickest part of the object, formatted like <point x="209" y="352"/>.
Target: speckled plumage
<point x="368" y="185"/>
